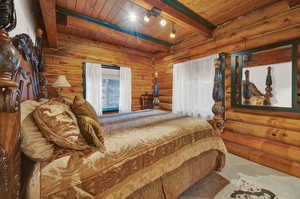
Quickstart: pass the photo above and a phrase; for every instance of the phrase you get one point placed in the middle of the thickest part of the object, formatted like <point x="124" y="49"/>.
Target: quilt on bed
<point x="141" y="147"/>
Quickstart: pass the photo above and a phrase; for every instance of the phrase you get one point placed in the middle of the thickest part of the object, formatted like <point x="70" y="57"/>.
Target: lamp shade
<point x="61" y="82"/>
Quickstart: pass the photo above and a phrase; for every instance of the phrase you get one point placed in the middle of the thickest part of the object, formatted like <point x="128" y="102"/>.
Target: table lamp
<point x="60" y="84"/>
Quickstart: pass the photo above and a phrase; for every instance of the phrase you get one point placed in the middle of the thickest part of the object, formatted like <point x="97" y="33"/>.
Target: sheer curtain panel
<point x="93" y="85"/>
<point x="125" y="90"/>
<point x="193" y="87"/>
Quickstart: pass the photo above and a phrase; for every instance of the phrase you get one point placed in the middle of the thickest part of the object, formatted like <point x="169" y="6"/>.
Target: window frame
<point x="294" y="55"/>
<point x="114" y="67"/>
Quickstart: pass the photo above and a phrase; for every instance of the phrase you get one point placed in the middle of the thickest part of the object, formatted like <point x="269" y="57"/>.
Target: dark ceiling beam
<point x="174" y="11"/>
<point x="49" y="16"/>
<point x="106" y="26"/>
<point x="293" y="3"/>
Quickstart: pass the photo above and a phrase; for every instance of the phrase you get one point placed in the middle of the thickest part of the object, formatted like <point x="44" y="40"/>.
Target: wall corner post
<point x="218" y="95"/>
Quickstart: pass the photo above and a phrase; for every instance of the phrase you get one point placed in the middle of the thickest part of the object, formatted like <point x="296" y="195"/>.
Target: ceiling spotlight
<point x="132" y="17"/>
<point x="173" y="32"/>
<point x="163" y="22"/>
<point x="147" y="17"/>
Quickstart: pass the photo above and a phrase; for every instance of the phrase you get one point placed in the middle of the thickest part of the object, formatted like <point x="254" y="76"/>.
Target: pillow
<point x="33" y="144"/>
<point x="91" y="131"/>
<point x="59" y="125"/>
<point x="82" y="107"/>
<point x="27" y="107"/>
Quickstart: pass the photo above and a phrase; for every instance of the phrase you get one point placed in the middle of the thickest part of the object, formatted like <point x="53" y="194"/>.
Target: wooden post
<point x="246" y="88"/>
<point x="268" y="89"/>
<point x="9" y="120"/>
<point x="218" y="96"/>
<point x="156" y="92"/>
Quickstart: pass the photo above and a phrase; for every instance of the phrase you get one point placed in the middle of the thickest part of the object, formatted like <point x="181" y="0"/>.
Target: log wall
<point x="266" y="137"/>
<point x="72" y="52"/>
<point x="266" y="25"/>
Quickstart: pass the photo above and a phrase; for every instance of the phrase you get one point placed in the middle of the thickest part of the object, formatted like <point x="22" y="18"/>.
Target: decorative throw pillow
<point x="89" y="126"/>
<point x="33" y="143"/>
<point x="91" y="131"/>
<point x="82" y="107"/>
<point x="59" y="125"/>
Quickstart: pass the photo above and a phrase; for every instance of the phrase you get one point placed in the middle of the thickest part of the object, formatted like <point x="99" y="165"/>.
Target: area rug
<point x="244" y="188"/>
<point x="262" y="187"/>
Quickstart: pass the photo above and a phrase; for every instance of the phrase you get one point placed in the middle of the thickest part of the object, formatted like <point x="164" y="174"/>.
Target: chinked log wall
<point x="72" y="52"/>
<point x="266" y="137"/>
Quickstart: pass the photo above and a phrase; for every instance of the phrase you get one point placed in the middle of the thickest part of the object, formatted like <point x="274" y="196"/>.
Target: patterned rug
<point x="258" y="187"/>
<point x="249" y="190"/>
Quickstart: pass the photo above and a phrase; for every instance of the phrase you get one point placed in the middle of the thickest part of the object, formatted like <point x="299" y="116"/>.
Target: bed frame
<point x="18" y="84"/>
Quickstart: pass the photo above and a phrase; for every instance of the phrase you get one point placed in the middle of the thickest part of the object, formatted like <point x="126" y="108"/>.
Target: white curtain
<point x="93" y="82"/>
<point x="193" y="86"/>
<point x="125" y="90"/>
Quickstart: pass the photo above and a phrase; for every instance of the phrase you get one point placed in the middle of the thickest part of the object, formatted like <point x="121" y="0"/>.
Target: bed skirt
<point x="172" y="184"/>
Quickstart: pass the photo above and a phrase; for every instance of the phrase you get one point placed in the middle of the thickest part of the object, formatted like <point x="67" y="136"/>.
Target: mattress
<point x="141" y="147"/>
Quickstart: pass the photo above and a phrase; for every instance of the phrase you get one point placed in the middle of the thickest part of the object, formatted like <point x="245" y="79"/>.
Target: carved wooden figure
<point x="9" y="120"/>
<point x="246" y="88"/>
<point x="25" y="45"/>
<point x="218" y="96"/>
<point x="8" y="20"/>
<point x="268" y="89"/>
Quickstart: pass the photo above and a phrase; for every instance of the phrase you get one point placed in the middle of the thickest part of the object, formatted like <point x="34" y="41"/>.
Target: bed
<point x="149" y="154"/>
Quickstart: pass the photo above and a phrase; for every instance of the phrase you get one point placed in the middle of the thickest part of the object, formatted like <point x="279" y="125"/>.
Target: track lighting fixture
<point x="163" y="22"/>
<point x="173" y="32"/>
<point x="147" y="16"/>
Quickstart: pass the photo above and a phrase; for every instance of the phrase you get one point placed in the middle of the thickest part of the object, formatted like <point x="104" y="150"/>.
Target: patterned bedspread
<point x="141" y="147"/>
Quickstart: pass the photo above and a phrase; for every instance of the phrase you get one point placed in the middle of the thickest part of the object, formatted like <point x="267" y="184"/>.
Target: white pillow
<point x="33" y="143"/>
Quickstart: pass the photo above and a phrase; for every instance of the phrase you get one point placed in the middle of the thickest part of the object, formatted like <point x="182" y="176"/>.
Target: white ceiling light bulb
<point x="173" y="34"/>
<point x="132" y="16"/>
<point x="146" y="18"/>
<point x="163" y="22"/>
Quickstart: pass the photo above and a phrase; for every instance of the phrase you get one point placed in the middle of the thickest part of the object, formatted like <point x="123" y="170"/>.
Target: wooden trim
<point x="190" y="13"/>
<point x="294" y="75"/>
<point x="266" y="47"/>
<point x="84" y="79"/>
<point x="293" y="3"/>
<point x="49" y="16"/>
<point x="106" y="24"/>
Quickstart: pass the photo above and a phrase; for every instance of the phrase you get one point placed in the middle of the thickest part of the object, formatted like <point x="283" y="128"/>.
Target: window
<point x="110" y="88"/>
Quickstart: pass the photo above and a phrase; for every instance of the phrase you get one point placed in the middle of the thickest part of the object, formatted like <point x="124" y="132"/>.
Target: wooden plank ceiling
<point x="116" y="12"/>
<point x="221" y="11"/>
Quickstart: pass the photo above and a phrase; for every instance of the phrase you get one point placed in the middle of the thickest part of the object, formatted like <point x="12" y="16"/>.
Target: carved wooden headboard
<point x="19" y="81"/>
